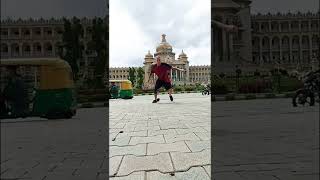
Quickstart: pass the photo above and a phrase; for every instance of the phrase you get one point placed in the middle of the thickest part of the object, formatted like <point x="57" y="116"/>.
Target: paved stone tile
<point x="134" y="133"/>
<point x="207" y="128"/>
<point x="196" y="146"/>
<point x="137" y="150"/>
<point x="134" y="176"/>
<point x="114" y="164"/>
<point x="183" y="161"/>
<point x="158" y="132"/>
<point x="191" y="130"/>
<point x="204" y="136"/>
<point x="119" y="125"/>
<point x="169" y="120"/>
<point x="155" y="148"/>
<point x="161" y="127"/>
<point x="160" y="162"/>
<point x="200" y="124"/>
<point x="196" y="173"/>
<point x="173" y="126"/>
<point x="175" y="138"/>
<point x="208" y="169"/>
<point x="266" y="139"/>
<point x="153" y="123"/>
<point x="148" y="139"/>
<point x="122" y="141"/>
<point x="141" y="128"/>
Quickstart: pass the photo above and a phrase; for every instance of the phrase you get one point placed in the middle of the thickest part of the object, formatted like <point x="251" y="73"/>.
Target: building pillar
<point x="290" y="49"/>
<point x="231" y="46"/>
<point x="270" y="50"/>
<point x="9" y="50"/>
<point x="53" y="33"/>
<point x="20" y="49"/>
<point x="188" y="74"/>
<point x="260" y="50"/>
<point x="259" y="26"/>
<point x="42" y="48"/>
<point x="224" y="45"/>
<point x="299" y="25"/>
<point x="289" y="24"/>
<point x="280" y="48"/>
<point x="310" y="47"/>
<point x="42" y="32"/>
<point x="31" y="33"/>
<point x="84" y="32"/>
<point x="279" y="26"/>
<point x="20" y="33"/>
<point x="309" y="26"/>
<point x="9" y="33"/>
<point x="53" y="49"/>
<point x="269" y="23"/>
<point x="300" y="49"/>
<point x="31" y="49"/>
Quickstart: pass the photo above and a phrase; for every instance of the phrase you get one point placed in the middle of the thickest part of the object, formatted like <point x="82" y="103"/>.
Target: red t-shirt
<point x="162" y="71"/>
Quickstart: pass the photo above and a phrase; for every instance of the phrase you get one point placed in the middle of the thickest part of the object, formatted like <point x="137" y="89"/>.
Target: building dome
<point x="149" y="55"/>
<point x="164" y="46"/>
<point x="182" y="54"/>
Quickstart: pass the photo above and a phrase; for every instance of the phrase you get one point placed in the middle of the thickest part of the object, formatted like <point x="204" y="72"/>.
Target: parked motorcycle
<point x="206" y="91"/>
<point x="310" y="90"/>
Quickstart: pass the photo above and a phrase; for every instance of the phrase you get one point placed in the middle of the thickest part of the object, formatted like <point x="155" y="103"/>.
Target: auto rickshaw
<point x="125" y="88"/>
<point x="55" y="96"/>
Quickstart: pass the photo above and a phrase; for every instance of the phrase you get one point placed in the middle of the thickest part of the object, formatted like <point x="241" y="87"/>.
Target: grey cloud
<point x="273" y="6"/>
<point x="52" y="8"/>
<point x="152" y="16"/>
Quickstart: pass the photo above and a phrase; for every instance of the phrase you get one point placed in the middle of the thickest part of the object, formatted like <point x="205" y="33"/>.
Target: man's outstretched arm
<point x="225" y="26"/>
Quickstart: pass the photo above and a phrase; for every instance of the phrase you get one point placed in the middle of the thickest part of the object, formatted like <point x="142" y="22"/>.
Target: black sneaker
<point x="171" y="98"/>
<point x="158" y="99"/>
<point x="154" y="101"/>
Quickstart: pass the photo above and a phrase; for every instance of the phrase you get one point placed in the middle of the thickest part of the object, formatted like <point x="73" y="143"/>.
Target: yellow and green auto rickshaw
<point x="125" y="90"/>
<point x="55" y="95"/>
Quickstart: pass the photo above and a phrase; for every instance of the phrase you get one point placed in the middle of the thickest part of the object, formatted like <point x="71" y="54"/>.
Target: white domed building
<point x="164" y="50"/>
<point x="193" y="74"/>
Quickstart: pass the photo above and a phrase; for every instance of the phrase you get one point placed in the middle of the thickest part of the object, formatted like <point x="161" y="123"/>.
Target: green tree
<point x="71" y="47"/>
<point x="132" y="75"/>
<point x="99" y="45"/>
<point x="140" y="76"/>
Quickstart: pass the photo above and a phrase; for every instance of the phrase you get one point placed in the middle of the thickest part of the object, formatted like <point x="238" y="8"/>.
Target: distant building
<point x="36" y="38"/>
<point x="263" y="42"/>
<point x="193" y="74"/>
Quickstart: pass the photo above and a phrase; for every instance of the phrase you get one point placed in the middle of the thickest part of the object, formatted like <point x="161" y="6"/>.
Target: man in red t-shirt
<point x="162" y="70"/>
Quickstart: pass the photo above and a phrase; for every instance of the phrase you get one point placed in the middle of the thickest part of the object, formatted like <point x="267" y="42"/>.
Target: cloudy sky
<point x="136" y="27"/>
<point x="52" y="8"/>
<point x="274" y="6"/>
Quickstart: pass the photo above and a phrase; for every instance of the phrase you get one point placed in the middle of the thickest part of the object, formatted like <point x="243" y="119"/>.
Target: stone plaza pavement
<point x="67" y="149"/>
<point x="167" y="140"/>
<point x="265" y="139"/>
